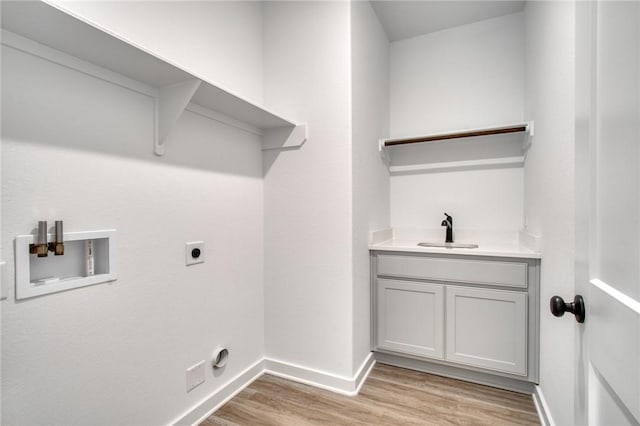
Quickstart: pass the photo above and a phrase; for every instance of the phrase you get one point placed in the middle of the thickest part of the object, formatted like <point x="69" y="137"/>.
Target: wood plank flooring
<point x="390" y="396"/>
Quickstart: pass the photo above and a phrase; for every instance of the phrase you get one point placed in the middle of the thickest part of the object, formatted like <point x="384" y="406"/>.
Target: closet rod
<point x="496" y="131"/>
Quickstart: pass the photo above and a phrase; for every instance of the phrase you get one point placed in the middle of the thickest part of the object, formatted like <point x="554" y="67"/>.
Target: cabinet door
<point x="487" y="328"/>
<point x="410" y="317"/>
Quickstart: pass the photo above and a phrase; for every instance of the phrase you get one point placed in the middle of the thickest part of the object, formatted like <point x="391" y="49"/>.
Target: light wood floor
<point x="390" y="396"/>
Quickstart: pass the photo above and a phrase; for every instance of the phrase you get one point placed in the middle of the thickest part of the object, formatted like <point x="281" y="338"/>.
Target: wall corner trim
<point x="321" y="379"/>
<point x="542" y="408"/>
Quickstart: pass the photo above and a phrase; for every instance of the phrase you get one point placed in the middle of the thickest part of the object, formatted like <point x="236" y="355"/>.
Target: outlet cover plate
<point x="195" y="375"/>
<point x="194" y="252"/>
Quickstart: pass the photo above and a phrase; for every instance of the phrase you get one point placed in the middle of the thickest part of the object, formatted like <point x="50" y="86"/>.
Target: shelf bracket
<point x="528" y="140"/>
<point x="169" y="105"/>
<point x="384" y="153"/>
<point x="284" y="137"/>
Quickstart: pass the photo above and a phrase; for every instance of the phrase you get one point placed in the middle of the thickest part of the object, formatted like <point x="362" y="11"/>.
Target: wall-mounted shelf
<point x="421" y="162"/>
<point x="172" y="87"/>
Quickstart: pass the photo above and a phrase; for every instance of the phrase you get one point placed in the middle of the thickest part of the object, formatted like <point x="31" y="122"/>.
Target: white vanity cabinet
<point x="411" y="317"/>
<point x="487" y="328"/>
<point x="457" y="313"/>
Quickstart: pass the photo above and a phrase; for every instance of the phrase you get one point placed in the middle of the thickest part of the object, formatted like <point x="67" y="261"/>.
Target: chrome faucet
<point x="448" y="222"/>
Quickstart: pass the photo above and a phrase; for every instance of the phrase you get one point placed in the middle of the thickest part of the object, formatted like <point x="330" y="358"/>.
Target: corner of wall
<point x="369" y="122"/>
<point x="550" y="181"/>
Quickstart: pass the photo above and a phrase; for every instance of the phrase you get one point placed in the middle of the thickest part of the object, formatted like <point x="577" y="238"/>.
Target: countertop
<point x="503" y="245"/>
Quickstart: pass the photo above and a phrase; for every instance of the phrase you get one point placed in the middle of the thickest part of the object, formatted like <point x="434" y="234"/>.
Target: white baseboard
<point x="210" y="404"/>
<point x="363" y="372"/>
<point x="321" y="379"/>
<point x="541" y="406"/>
<point x="297" y="373"/>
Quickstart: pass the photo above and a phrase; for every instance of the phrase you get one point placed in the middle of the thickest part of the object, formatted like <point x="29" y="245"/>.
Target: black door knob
<point x="559" y="307"/>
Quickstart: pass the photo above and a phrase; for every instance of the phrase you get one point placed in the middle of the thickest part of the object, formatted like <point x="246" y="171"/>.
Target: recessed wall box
<point x="37" y="276"/>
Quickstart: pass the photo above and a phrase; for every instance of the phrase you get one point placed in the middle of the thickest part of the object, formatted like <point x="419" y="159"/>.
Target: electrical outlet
<point x="194" y="253"/>
<point x="195" y="375"/>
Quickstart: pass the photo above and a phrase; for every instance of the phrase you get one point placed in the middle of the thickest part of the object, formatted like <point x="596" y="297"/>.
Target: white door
<point x="608" y="211"/>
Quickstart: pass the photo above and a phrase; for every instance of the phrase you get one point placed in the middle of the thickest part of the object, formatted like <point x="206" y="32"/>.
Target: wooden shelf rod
<point x="458" y="135"/>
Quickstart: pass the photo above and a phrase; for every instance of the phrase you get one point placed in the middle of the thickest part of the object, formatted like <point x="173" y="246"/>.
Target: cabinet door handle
<point x="559" y="307"/>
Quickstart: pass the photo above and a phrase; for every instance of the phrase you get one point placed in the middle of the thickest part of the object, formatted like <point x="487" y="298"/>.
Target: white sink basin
<point x="448" y="245"/>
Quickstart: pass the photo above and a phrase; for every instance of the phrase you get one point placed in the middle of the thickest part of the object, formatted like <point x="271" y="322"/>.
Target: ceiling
<point x="406" y="19"/>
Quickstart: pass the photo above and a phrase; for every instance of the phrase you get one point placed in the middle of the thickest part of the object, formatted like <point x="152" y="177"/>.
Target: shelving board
<point x="459" y="165"/>
<point x="72" y="35"/>
<point x="465" y="151"/>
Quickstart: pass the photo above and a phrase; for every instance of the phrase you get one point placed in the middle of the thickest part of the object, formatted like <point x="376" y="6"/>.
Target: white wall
<point x="487" y="200"/>
<point x="464" y="77"/>
<point x="217" y="40"/>
<point x="4" y="285"/>
<point x="470" y="76"/>
<point x="80" y="149"/>
<point x="308" y="198"/>
<point x="370" y="122"/>
<point x="549" y="181"/>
